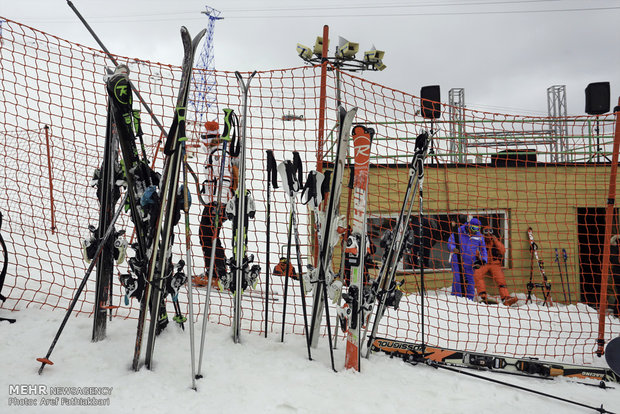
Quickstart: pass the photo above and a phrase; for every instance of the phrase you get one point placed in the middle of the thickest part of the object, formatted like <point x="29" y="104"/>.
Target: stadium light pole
<point x="344" y="58"/>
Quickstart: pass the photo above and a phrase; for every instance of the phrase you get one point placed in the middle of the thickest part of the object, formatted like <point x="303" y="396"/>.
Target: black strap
<point x="231" y="128"/>
<point x="298" y="169"/>
<point x="325" y="186"/>
<point x="272" y="169"/>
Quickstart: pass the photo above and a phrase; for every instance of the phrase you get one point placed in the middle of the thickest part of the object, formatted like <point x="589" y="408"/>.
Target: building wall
<point x="543" y="196"/>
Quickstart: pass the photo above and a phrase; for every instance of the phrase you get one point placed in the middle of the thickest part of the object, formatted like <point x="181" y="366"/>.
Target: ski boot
<point x="510" y="300"/>
<point x="202" y="280"/>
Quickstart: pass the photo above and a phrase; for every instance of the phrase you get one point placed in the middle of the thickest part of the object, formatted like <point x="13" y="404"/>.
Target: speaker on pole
<point x="429" y="101"/>
<point x="597" y="98"/>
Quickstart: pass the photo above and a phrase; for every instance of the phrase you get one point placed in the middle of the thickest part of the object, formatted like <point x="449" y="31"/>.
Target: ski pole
<point x="45" y="360"/>
<point x="272" y="181"/>
<point x="114" y="61"/>
<point x="557" y="260"/>
<point x="471" y="374"/>
<point x="188" y="261"/>
<point x="566" y="269"/>
<point x="228" y="135"/>
<point x="299" y="171"/>
<point x="291" y="173"/>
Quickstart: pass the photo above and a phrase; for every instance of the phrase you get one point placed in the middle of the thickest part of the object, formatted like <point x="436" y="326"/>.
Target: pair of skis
<point x="154" y="242"/>
<point x="239" y="210"/>
<point x="545" y="284"/>
<point x="509" y="365"/>
<point x="328" y="236"/>
<point x="323" y="277"/>
<point x="385" y="289"/>
<point x="353" y="310"/>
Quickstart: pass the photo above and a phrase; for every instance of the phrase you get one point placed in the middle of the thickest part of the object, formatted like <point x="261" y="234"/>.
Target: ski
<point x="243" y="273"/>
<point x="356" y="246"/>
<point x="546" y="284"/>
<point x="272" y="181"/>
<point x="324" y="275"/>
<point x="385" y="289"/>
<point x="108" y="195"/>
<point x="140" y="181"/>
<point x="170" y="199"/>
<point x="512" y="365"/>
<point x="5" y="265"/>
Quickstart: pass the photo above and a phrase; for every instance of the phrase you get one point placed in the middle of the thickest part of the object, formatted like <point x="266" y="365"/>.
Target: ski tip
<point x="45" y="361"/>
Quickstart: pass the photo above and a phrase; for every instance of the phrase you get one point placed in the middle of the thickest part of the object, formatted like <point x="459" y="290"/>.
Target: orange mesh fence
<point x="510" y="172"/>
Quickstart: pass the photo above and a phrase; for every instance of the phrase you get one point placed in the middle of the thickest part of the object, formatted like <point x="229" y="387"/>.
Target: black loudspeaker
<point x="429" y="101"/>
<point x="597" y="98"/>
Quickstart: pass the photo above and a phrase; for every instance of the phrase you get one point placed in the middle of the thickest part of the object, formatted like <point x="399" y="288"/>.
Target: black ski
<point x="5" y="264"/>
<point x="107" y="194"/>
<point x="141" y="182"/>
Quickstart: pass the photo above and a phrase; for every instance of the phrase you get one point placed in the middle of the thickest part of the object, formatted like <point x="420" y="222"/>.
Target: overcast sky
<point x="503" y="53"/>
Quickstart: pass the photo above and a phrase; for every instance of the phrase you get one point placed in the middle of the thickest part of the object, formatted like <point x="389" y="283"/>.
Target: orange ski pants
<point x="496" y="272"/>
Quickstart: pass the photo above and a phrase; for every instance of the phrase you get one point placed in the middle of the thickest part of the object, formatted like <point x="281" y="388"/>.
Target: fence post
<point x="49" y="174"/>
<point x="609" y="217"/>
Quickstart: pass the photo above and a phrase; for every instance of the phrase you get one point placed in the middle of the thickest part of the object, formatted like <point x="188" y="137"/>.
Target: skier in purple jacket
<point x="472" y="251"/>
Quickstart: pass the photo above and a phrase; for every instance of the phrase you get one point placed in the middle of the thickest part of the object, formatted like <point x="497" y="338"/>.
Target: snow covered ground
<point x="260" y="375"/>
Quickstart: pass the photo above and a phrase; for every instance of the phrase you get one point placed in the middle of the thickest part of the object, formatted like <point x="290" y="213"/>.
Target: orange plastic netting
<point x="511" y="172"/>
